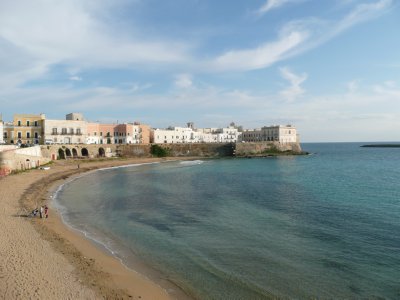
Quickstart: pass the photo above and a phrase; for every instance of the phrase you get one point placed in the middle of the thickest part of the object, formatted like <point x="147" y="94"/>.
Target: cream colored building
<point x="65" y="131"/>
<point x="277" y="133"/>
<point x="25" y="129"/>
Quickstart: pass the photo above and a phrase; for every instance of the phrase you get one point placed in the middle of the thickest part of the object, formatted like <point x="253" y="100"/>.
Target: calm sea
<point x="323" y="226"/>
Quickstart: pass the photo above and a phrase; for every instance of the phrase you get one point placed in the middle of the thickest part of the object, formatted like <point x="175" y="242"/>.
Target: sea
<point x="318" y="226"/>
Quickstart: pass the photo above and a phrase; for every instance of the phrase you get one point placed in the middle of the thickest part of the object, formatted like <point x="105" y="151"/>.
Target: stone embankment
<point x="12" y="159"/>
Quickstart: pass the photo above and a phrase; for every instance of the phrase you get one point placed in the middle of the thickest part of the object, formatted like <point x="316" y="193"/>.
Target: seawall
<point x="32" y="157"/>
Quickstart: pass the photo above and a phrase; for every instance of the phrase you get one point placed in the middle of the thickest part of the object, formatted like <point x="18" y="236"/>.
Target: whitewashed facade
<point x="175" y="135"/>
<point x="65" y="132"/>
<point x="181" y="135"/>
<point x="277" y="133"/>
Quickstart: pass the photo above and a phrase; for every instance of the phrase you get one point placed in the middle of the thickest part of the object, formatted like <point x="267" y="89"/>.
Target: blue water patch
<point x="321" y="226"/>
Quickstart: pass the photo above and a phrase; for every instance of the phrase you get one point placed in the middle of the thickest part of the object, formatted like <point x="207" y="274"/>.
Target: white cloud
<point x="75" y="78"/>
<point x="361" y="13"/>
<point x="183" y="81"/>
<point x="36" y="35"/>
<point x="388" y="88"/>
<point x="271" y="4"/>
<point x="262" y="56"/>
<point x="294" y="90"/>
<point x="353" y="86"/>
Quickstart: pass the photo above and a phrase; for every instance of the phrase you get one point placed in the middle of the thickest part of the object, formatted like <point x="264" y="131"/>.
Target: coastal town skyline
<point x="316" y="65"/>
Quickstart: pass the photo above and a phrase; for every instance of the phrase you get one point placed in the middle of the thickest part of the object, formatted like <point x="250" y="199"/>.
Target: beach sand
<point x="44" y="259"/>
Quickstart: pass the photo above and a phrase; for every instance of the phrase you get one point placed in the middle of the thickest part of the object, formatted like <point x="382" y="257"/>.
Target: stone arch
<point x="61" y="154"/>
<point x="67" y="152"/>
<point x="85" y="152"/>
<point x="74" y="152"/>
<point x="102" y="153"/>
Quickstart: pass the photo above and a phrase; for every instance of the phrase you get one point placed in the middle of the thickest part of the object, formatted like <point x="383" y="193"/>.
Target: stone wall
<point x="21" y="159"/>
<point x="261" y="148"/>
<point x="202" y="150"/>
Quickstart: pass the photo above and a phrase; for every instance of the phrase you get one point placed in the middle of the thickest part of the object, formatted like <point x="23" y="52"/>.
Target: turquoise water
<point x="320" y="226"/>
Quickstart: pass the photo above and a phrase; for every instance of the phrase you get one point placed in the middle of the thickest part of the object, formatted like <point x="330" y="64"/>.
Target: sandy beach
<point x="44" y="259"/>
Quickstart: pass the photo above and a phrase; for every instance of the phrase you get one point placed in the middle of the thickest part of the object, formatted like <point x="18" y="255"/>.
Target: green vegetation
<point x="159" y="151"/>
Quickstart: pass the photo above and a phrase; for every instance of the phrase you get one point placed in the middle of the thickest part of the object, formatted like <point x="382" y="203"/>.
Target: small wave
<point x="191" y="162"/>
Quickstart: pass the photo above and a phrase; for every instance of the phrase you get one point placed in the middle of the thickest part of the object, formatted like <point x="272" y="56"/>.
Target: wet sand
<point x="44" y="259"/>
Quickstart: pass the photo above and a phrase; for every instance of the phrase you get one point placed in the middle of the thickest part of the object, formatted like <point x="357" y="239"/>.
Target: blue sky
<point x="332" y="68"/>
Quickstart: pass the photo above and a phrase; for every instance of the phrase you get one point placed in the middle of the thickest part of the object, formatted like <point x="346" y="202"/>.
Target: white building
<point x="65" y="132"/>
<point x="1" y="131"/>
<point x="174" y="135"/>
<point x="277" y="133"/>
<point x="180" y="135"/>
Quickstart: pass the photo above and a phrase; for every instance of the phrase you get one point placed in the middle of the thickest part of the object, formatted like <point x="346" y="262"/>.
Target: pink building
<point x="127" y="133"/>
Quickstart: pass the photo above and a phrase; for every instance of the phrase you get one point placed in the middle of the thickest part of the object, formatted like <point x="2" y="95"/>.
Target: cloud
<point x="272" y="4"/>
<point x="294" y="90"/>
<point x="294" y="38"/>
<point x="262" y="56"/>
<point x="388" y="88"/>
<point x="75" y="78"/>
<point x="37" y="35"/>
<point x="183" y="81"/>
<point x="361" y="13"/>
<point x="353" y="86"/>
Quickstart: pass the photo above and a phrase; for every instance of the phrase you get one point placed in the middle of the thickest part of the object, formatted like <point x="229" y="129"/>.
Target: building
<point x="181" y="135"/>
<point x="68" y="131"/>
<point x="127" y="133"/>
<point x="1" y="131"/>
<point x="277" y="133"/>
<point x="25" y="129"/>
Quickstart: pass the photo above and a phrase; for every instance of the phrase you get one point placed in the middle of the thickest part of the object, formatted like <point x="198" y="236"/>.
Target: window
<point x="5" y="135"/>
<point x="78" y="131"/>
<point x="28" y="135"/>
<point x="19" y="134"/>
<point x="36" y="123"/>
<point x="54" y="130"/>
<point x="101" y="134"/>
<point x="27" y="123"/>
<point x="64" y="131"/>
<point x="19" y="123"/>
<point x="36" y="135"/>
<point x="95" y="133"/>
<point x="71" y="131"/>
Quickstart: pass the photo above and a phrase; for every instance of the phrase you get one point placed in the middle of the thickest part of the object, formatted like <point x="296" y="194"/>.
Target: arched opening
<point x="74" y="152"/>
<point x="85" y="152"/>
<point x="102" y="153"/>
<point x="61" y="154"/>
<point x="67" y="152"/>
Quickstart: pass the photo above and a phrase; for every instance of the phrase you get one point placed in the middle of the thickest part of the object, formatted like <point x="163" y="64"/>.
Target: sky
<point x="330" y="68"/>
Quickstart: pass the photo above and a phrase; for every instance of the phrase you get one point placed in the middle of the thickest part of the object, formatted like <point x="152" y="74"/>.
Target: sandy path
<point x="43" y="259"/>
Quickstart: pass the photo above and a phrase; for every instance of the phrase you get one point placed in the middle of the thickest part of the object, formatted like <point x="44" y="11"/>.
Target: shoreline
<point x="95" y="272"/>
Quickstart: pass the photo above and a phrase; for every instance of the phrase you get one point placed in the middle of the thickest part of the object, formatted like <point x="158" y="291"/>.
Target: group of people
<point x="43" y="212"/>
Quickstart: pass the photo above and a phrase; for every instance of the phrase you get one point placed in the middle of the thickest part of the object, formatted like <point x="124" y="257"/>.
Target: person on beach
<point x="46" y="211"/>
<point x="41" y="212"/>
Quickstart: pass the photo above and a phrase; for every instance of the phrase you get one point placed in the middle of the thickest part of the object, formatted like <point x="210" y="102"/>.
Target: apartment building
<point x="65" y="131"/>
<point x="276" y="133"/>
<point x="25" y="129"/>
<point x="127" y="133"/>
<point x="180" y="135"/>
